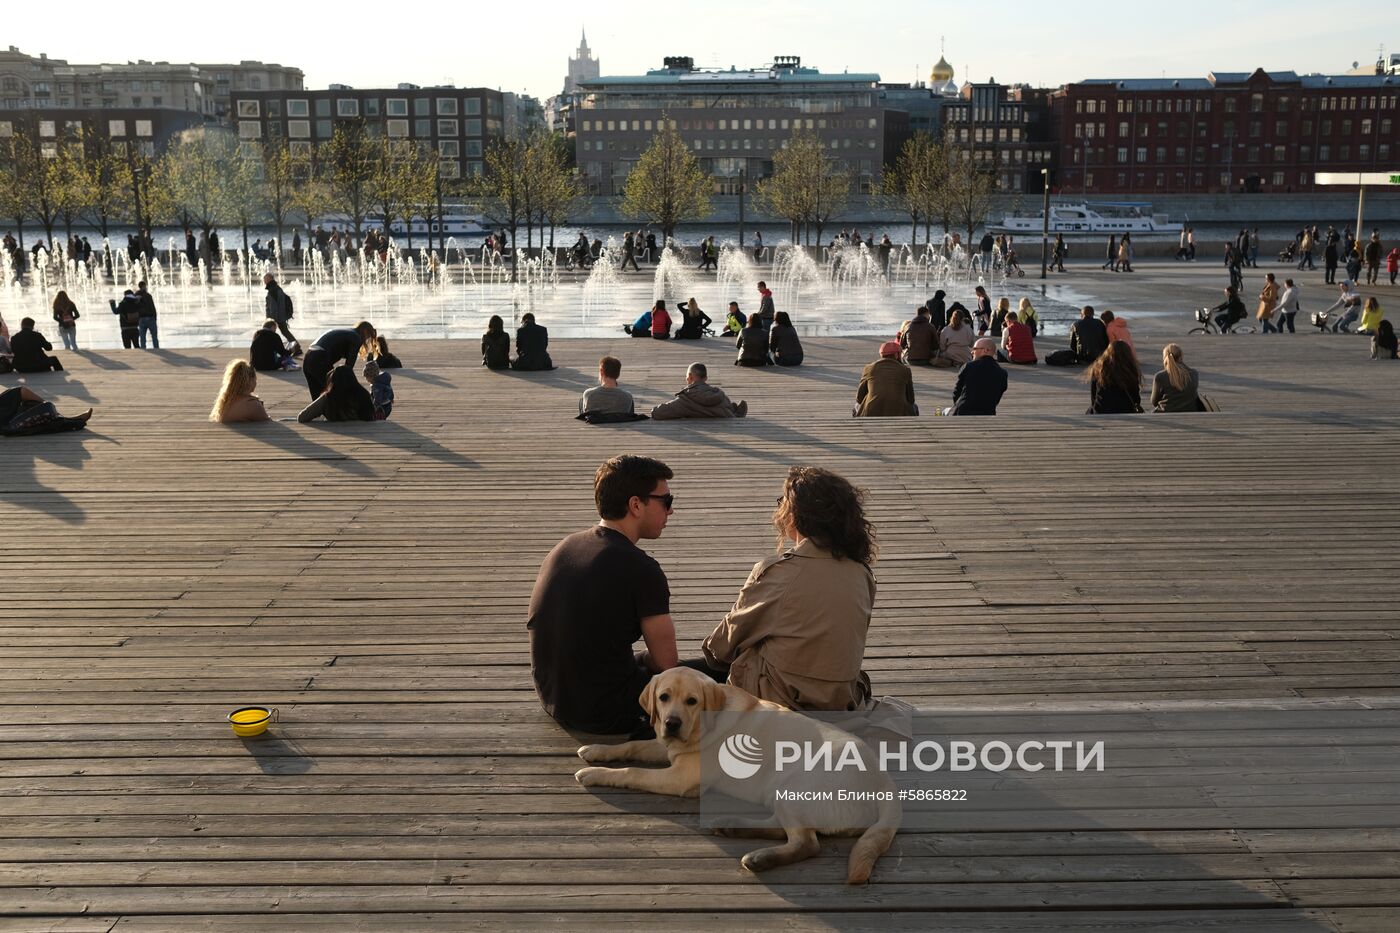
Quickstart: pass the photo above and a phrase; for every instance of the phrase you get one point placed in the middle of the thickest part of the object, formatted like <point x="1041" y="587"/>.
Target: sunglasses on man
<point x="668" y="500"/>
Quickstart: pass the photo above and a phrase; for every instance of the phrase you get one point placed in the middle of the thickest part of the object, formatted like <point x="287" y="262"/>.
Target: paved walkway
<point x="371" y="581"/>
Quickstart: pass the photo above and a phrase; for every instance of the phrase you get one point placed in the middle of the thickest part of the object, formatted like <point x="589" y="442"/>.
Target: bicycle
<point x="1208" y="326"/>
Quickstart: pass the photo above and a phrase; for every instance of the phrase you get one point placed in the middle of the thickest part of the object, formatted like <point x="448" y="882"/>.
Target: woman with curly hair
<point x="796" y="634"/>
<point x="1115" y="382"/>
<point x="236" y="401"/>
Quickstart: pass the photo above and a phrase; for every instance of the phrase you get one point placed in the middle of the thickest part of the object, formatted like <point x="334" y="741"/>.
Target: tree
<point x="807" y="188"/>
<point x="499" y="193"/>
<point x="386" y="179"/>
<point x="348" y="167"/>
<point x="13" y="205"/>
<point x="667" y="186"/>
<point x="421" y="191"/>
<point x="969" y="195"/>
<point x="191" y="181"/>
<point x="915" y="184"/>
<point x="44" y="181"/>
<point x="279" y="182"/>
<point x="311" y="196"/>
<point x="563" y="191"/>
<point x="108" y="182"/>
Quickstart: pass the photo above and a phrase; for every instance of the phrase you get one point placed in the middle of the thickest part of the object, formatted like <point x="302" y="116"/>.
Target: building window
<point x="347" y="107"/>
<point x="1278" y="179"/>
<point x="299" y="150"/>
<point x="323" y="108"/>
<point x="114" y="128"/>
<point x="397" y="129"/>
<point x="1122" y="155"/>
<point x="449" y="149"/>
<point x="447" y="127"/>
<point x="450" y="168"/>
<point x="1142" y="153"/>
<point x="421" y="105"/>
<point x="274" y="108"/>
<point x="447" y="106"/>
<point x="422" y="128"/>
<point x="323" y="129"/>
<point x="372" y="106"/>
<point x="249" y="129"/>
<point x="472" y="105"/>
<point x="473" y="127"/>
<point x="248" y="109"/>
<point x="297" y="108"/>
<point x="299" y="129"/>
<point x="396" y="106"/>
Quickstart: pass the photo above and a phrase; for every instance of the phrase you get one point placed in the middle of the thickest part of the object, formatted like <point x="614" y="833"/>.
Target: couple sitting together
<point x="607" y="402"/>
<point x="796" y="634"/>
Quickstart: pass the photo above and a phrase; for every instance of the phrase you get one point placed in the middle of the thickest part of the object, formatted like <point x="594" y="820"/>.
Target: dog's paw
<point x="758" y="861"/>
<point x="594" y="753"/>
<point x="591" y="777"/>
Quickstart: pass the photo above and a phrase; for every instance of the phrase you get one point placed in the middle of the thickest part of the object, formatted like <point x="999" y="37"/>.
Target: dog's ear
<point x="648" y="699"/>
<point x="715" y="697"/>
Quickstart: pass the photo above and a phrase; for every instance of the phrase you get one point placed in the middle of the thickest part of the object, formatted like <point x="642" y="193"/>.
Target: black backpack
<point x="288" y="300"/>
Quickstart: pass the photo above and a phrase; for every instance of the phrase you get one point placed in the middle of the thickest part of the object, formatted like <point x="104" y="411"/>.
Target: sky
<point x="525" y="47"/>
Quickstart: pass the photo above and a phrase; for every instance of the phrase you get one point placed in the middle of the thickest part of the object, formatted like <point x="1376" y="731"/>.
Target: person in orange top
<point x="1117" y="330"/>
<point x="1017" y="342"/>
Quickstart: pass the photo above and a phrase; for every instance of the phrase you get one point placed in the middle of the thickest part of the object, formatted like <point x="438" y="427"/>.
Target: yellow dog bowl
<point x="251" y="720"/>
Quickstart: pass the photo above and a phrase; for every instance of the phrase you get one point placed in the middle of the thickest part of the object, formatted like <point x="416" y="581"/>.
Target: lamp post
<point x="741" y="210"/>
<point x="1044" y="220"/>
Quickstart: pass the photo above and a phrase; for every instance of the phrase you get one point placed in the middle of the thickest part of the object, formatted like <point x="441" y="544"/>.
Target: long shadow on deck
<point x="395" y="434"/>
<point x="22" y="487"/>
<point x="295" y="443"/>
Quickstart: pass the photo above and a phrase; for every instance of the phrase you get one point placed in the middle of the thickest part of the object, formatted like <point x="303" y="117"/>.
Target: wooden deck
<point x="371" y="581"/>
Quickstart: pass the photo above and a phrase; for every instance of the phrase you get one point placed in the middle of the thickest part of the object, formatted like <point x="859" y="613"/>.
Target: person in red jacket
<point x="660" y="321"/>
<point x="1017" y="342"/>
<point x="1392" y="263"/>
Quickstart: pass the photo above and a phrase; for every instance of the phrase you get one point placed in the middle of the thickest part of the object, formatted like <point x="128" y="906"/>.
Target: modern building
<point x="148" y="130"/>
<point x="248" y="76"/>
<point x="523" y="114"/>
<point x="1005" y="131"/>
<point x="1229" y="131"/>
<point x="734" y="120"/>
<point x="456" y="123"/>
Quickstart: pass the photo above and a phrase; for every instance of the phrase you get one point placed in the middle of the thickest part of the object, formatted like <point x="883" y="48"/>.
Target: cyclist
<point x="1230" y="312"/>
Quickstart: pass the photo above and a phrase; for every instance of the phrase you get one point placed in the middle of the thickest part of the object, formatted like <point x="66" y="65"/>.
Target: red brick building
<point x="1261" y="132"/>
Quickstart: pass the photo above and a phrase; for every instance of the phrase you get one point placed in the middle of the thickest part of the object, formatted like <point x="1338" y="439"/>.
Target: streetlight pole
<point x="1044" y="220"/>
<point x="741" y="210"/>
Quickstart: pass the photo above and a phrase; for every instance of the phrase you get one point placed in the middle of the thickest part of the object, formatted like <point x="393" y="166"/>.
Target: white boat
<point x="1098" y="218"/>
<point x="452" y="224"/>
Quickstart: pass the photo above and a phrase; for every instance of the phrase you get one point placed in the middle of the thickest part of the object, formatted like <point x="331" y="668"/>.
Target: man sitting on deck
<point x="596" y="594"/>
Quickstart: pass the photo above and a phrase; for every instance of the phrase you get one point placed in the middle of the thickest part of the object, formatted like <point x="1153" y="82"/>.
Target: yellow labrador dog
<point x="675" y="700"/>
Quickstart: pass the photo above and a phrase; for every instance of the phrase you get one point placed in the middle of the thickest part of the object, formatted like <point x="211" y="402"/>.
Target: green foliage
<point x="806" y="188"/>
<point x="667" y="186"/>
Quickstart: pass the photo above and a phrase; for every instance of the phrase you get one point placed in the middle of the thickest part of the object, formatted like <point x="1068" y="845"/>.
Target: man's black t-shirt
<point x="593" y="591"/>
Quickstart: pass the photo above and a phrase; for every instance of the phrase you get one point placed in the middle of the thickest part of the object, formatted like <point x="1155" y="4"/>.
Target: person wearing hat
<point x="886" y="386"/>
<point x="981" y="383"/>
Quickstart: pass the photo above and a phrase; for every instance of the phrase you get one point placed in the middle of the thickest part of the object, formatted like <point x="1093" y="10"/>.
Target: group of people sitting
<point x="766" y="338"/>
<point x="795" y="635"/>
<point x="329" y="367"/>
<point x="607" y="402"/>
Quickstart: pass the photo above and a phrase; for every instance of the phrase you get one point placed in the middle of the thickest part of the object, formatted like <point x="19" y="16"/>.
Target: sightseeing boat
<point x="1084" y="218"/>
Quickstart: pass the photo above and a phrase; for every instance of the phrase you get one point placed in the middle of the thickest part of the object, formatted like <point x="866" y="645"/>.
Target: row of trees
<point x="208" y="179"/>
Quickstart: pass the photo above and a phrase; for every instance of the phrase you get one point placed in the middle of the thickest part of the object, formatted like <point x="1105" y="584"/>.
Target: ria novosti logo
<point x="740" y="756"/>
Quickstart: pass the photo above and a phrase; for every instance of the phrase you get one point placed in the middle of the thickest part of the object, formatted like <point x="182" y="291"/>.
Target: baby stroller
<point x="1013" y="265"/>
<point x="1289" y="253"/>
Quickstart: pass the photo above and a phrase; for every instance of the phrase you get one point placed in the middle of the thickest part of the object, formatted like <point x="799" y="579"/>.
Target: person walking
<point x="1287" y="306"/>
<point x="1111" y="262"/>
<point x="65" y="314"/>
<point x="1254" y="248"/>
<point x="1329" y="262"/>
<point x="1268" y="300"/>
<point x="629" y="252"/>
<point x="1309" y="243"/>
<point x="1373" y="257"/>
<point x="1125" y="253"/>
<point x="758" y="246"/>
<point x="128" y="314"/>
<point x="146" y="319"/>
<point x="279" y="308"/>
<point x="1057" y="257"/>
<point x="1392" y="263"/>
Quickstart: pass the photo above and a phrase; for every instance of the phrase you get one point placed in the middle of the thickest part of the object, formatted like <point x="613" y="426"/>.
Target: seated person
<point x="606" y="398"/>
<point x="796" y="634"/>
<point x="1088" y="337"/>
<point x="1017" y="342"/>
<point x="383" y="357"/>
<point x="24" y="411"/>
<point x="381" y="390"/>
<point x="693" y="321"/>
<point x="955" y="341"/>
<point x="495" y="344"/>
<point x="981" y="383"/>
<point x="531" y="346"/>
<point x="597" y="593"/>
<point x="343" y="399"/>
<point x="783" y="342"/>
<point x="919" y="339"/>
<point x="1176" y="387"/>
<point x="1230" y="311"/>
<point x="660" y="321"/>
<point x="699" y="399"/>
<point x="938" y="311"/>
<point x="886" y="386"/>
<point x="1117" y="329"/>
<point x="236" y="401"/>
<point x="641" y="327"/>
<point x="268" y="352"/>
<point x="734" y="320"/>
<point x="753" y="344"/>
<point x="1115" y="382"/>
<point x="30" y="349"/>
<point x="1383" y="344"/>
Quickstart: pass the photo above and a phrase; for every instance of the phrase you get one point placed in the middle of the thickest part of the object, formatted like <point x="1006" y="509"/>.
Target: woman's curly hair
<point x="825" y="507"/>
